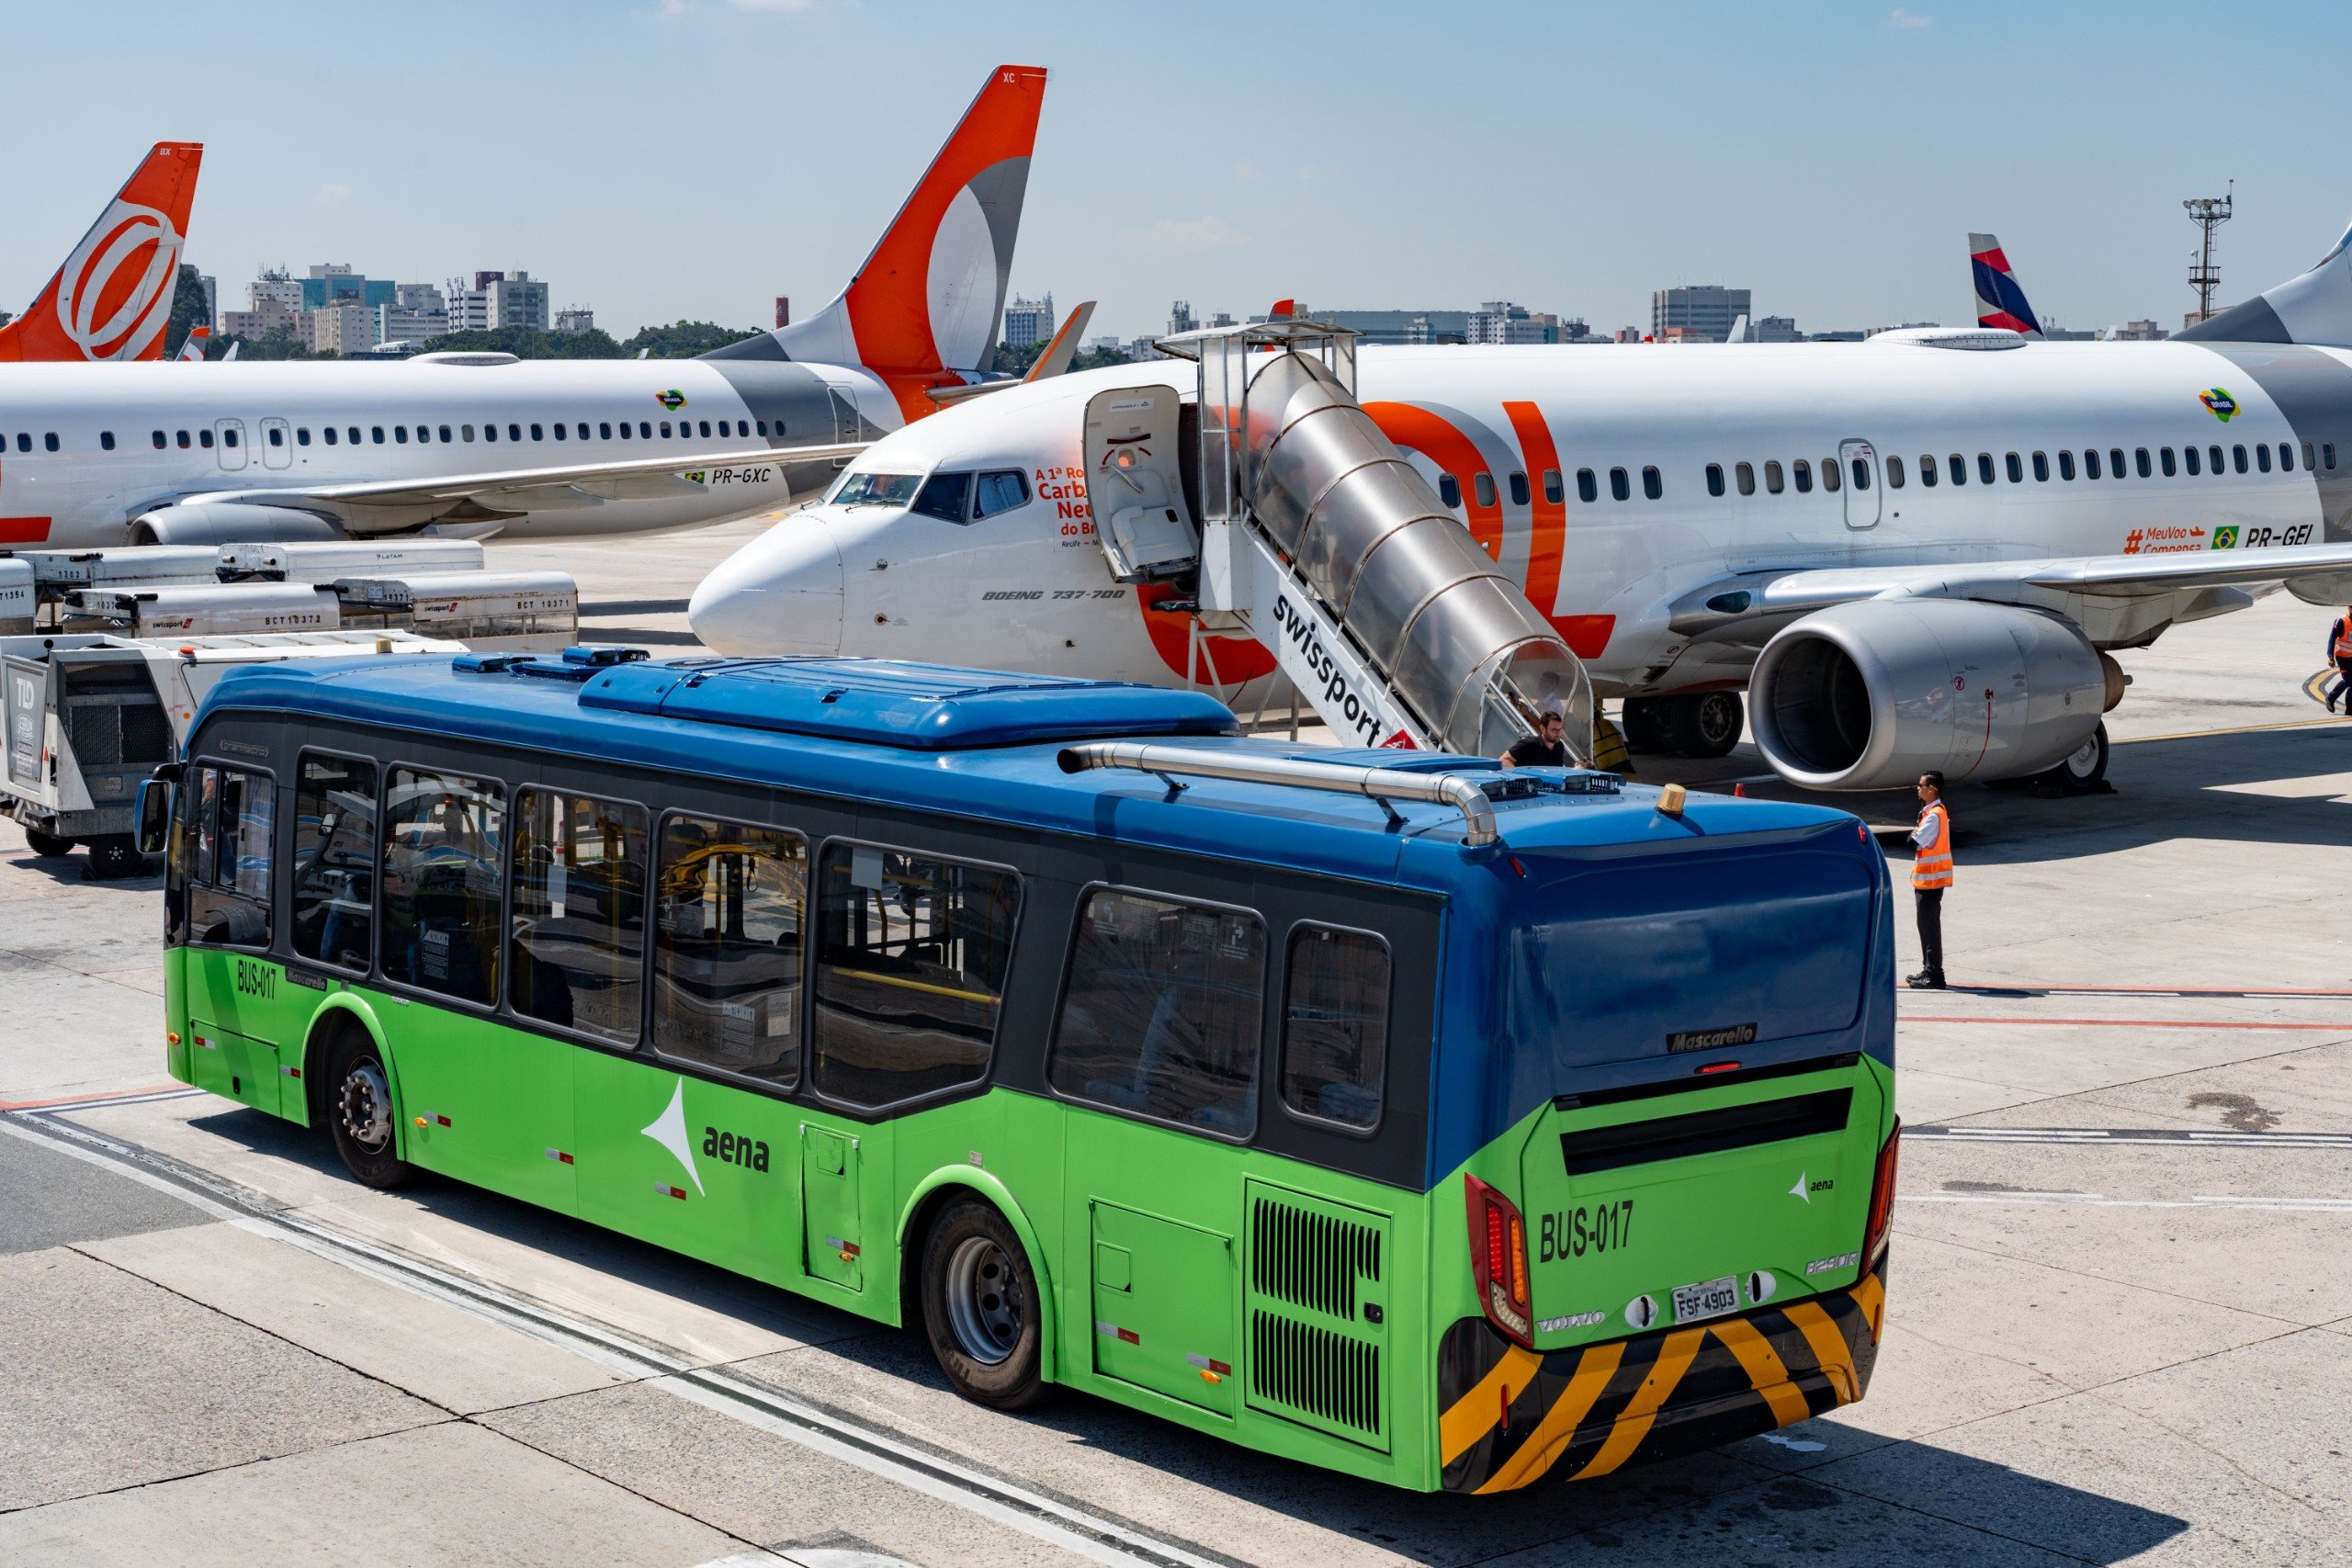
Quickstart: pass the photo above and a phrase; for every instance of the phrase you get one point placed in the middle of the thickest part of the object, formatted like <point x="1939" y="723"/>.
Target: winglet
<point x="1064" y="347"/>
<point x="113" y="297"/>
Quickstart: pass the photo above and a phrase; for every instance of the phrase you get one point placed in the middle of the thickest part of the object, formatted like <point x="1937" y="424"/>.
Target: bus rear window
<point x="1335" y="1025"/>
<point x="1162" y="1010"/>
<point x="877" y="489"/>
<point x="911" y="954"/>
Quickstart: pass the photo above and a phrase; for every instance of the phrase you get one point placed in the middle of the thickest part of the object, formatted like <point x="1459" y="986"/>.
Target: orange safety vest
<point x="1931" y="867"/>
<point x="2344" y="637"/>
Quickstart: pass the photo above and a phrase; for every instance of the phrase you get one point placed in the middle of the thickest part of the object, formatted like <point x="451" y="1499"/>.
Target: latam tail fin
<point x="928" y="302"/>
<point x="113" y="297"/>
<point x="2000" y="302"/>
<point x="2314" y="307"/>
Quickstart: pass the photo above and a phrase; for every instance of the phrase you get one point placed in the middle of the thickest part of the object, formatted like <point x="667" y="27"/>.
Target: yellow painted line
<point x="1829" y="1349"/>
<point x="1673" y="1360"/>
<point x="1559" y="1423"/>
<point x="916" y="985"/>
<point x="1477" y="1412"/>
<point x="1765" y="1371"/>
<point x="2240" y="729"/>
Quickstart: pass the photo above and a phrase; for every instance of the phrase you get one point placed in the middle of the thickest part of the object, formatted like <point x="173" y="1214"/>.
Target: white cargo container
<point x="19" y="599"/>
<point x="525" y="612"/>
<point x="214" y="609"/>
<point x="57" y="573"/>
<point x="84" y="718"/>
<point x="325" y="560"/>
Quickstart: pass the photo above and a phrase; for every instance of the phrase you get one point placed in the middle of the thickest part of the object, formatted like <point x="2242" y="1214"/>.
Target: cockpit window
<point x="877" y="489"/>
<point x="1001" y="492"/>
<point x="946" y="496"/>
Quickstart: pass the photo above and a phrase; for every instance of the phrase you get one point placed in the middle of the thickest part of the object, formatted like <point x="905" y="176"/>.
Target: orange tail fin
<point x="113" y="297"/>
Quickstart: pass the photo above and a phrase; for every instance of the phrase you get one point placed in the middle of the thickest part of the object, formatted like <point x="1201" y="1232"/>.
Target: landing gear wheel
<point x="359" y="1111"/>
<point x="1644" y="723"/>
<point x="1713" y="725"/>
<point x="49" y="846"/>
<point x="980" y="1307"/>
<point x="2083" y="771"/>
<point x="114" y="856"/>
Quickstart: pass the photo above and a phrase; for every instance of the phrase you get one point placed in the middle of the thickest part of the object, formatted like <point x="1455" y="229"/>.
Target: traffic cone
<point x="1739" y="789"/>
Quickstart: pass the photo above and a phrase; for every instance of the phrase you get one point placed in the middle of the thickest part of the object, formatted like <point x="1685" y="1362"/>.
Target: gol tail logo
<point x="2218" y="402"/>
<point x="674" y="400"/>
<point x="115" y="293"/>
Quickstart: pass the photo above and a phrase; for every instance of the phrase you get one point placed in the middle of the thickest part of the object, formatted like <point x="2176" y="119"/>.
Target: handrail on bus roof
<point x="1373" y="783"/>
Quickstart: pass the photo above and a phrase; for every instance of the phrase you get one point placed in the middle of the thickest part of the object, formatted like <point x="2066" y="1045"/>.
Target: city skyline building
<point x="1707" y="309"/>
<point x="1028" y="321"/>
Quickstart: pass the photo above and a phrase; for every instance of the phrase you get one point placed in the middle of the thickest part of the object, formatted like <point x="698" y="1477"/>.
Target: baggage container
<point x="210" y="609"/>
<point x="324" y="561"/>
<point x="57" y="573"/>
<point x="524" y="612"/>
<point x="19" y="598"/>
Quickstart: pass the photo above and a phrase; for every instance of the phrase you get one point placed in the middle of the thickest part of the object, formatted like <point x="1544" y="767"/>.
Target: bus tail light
<point x="1882" y="1198"/>
<point x="1499" y="1260"/>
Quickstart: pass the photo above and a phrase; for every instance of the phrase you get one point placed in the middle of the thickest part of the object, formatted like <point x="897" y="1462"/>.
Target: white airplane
<point x="479" y="445"/>
<point x="112" y="298"/>
<point x="1915" y="552"/>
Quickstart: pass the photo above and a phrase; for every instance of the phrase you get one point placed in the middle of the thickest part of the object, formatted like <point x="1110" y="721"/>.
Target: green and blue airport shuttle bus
<point x="1439" y="1123"/>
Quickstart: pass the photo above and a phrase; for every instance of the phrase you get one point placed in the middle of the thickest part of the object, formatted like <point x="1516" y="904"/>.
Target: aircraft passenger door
<point x="229" y="442"/>
<point x="276" y="445"/>
<point x="848" y="423"/>
<point x="1860" y="459"/>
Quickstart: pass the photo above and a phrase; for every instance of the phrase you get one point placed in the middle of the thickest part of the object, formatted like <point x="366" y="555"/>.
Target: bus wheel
<point x="359" y="1111"/>
<point x="114" y="856"/>
<point x="49" y="846"/>
<point x="981" y="1308"/>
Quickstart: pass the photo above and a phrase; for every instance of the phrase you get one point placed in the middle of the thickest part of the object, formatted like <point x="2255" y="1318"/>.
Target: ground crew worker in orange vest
<point x="1931" y="874"/>
<point x="2339" y="649"/>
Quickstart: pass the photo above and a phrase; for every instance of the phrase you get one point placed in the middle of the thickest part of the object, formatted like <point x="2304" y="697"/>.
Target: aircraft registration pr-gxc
<point x="1956" y="524"/>
<point x="480" y="445"/>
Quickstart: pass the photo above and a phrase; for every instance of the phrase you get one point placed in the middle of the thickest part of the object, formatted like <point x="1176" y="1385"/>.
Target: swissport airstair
<point x="1276" y="501"/>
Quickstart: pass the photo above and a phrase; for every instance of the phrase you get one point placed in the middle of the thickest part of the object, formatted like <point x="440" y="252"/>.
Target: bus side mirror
<point x="155" y="814"/>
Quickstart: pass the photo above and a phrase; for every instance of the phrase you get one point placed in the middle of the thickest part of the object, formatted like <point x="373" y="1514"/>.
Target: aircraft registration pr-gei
<point x="1915" y="552"/>
<point x="112" y="299"/>
<point x="480" y="445"/>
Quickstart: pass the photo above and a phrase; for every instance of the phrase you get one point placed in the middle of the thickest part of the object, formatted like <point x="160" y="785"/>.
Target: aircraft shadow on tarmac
<point x="2242" y="786"/>
<point x="1663" y="1513"/>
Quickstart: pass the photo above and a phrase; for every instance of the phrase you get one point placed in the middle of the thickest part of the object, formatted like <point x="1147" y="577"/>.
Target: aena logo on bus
<point x="735" y="1148"/>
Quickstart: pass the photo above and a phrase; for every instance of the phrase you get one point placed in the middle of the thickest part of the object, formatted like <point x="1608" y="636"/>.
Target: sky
<point x="659" y="160"/>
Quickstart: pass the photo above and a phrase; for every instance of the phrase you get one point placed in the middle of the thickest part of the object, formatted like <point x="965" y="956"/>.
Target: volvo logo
<point x="115" y="294"/>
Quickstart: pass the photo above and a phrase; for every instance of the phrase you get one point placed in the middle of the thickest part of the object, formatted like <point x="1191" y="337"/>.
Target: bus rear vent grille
<point x="1311" y="1258"/>
<point x="1306" y="1370"/>
<point x="1318" y="1308"/>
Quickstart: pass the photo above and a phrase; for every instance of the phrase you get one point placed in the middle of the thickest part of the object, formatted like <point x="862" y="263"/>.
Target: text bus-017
<point x="1522" y="1128"/>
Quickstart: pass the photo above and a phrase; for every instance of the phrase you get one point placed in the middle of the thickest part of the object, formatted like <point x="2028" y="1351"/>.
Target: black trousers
<point x="2342" y="683"/>
<point x="1931" y="928"/>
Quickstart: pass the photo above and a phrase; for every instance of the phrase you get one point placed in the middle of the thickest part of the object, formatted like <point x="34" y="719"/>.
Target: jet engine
<point x="1872" y="694"/>
<point x="227" y="522"/>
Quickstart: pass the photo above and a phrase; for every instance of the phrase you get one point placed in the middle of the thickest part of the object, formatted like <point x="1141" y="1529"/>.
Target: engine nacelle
<point x="1872" y="694"/>
<point x="227" y="522"/>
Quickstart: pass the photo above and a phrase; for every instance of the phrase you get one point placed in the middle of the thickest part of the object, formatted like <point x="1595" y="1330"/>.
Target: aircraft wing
<point x="2322" y="573"/>
<point x="381" y="505"/>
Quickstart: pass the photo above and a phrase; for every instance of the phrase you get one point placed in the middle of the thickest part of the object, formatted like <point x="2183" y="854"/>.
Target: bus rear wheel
<point x="360" y="1113"/>
<point x="980" y="1307"/>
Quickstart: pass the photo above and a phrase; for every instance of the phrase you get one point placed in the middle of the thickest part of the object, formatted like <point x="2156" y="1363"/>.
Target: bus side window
<point x="229" y="884"/>
<point x="727" y="947"/>
<point x="1335" y="1025"/>
<point x="442" y="863"/>
<point x="578" y="925"/>
<point x="333" y="902"/>
<point x="1161" y="1012"/>
<point x="911" y="954"/>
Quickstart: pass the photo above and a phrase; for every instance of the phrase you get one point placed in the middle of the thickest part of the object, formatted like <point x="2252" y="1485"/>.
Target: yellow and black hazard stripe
<point x="1512" y="1416"/>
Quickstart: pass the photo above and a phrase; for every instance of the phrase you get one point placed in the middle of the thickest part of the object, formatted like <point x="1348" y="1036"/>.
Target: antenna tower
<point x="2209" y="213"/>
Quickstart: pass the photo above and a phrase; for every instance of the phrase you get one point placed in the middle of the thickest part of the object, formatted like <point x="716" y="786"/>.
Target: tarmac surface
<point x="2118" y="1328"/>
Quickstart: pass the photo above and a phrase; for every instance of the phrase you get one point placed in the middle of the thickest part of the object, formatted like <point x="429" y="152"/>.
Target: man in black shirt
<point x="1544" y="750"/>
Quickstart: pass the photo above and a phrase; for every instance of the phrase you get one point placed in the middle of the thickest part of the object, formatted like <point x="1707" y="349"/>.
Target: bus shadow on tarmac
<point x="1829" y="1492"/>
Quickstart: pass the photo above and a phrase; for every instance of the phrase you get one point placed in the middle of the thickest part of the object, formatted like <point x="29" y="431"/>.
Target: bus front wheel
<point x="359" y="1111"/>
<point x="980" y="1306"/>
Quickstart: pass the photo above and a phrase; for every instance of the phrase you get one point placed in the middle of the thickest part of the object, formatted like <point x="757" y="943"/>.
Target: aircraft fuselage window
<point x="399" y="435"/>
<point x="183" y="440"/>
<point x="1449" y="491"/>
<point x="159" y="441"/>
<point x="1894" y="471"/>
<point x="2166" y="461"/>
<point x="514" y="433"/>
<point x="49" y="441"/>
<point x="624" y="430"/>
<point x="229" y="436"/>
<point x="489" y="433"/>
<point x="2285" y="459"/>
<point x="706" y="428"/>
<point x="2140" y="461"/>
<point x="1861" y="475"/>
<point x="1772" y="481"/>
<point x="1715" y="478"/>
<point x="2261" y="457"/>
<point x="302" y="435"/>
<point x="2115" y="463"/>
<point x="23" y="441"/>
<point x="106" y="439"/>
<point x="2213" y="458"/>
<point x="1984" y="467"/>
<point x="203" y="439"/>
<point x="761" y="425"/>
<point x="277" y="436"/>
<point x="2041" y="468"/>
<point x="377" y="431"/>
<point x="645" y="430"/>
<point x="1482" y="485"/>
<point x="1001" y="491"/>
<point x="1927" y="474"/>
<point x="665" y="429"/>
<point x="1587" y="490"/>
<point x="2327" y="454"/>
<point x="1829" y="474"/>
<point x="2308" y="464"/>
<point x="1801" y="471"/>
<point x="582" y="431"/>
<point x="1746" y="474"/>
<point x="2065" y="465"/>
<point x="328" y="433"/>
<point x="352" y="435"/>
<point x="2238" y="453"/>
<point x="445" y="434"/>
<point x="1519" y="489"/>
<point x="539" y="433"/>
<point x="2189" y="454"/>
<point x="1553" y="490"/>
<point x="603" y="430"/>
<point x="1957" y="467"/>
<point x="1621" y="487"/>
<point x="1652" y="483"/>
<point x="2090" y="463"/>
<point x="559" y="431"/>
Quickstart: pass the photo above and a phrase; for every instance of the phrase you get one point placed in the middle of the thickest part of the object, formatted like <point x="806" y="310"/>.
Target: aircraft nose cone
<point x="779" y="594"/>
